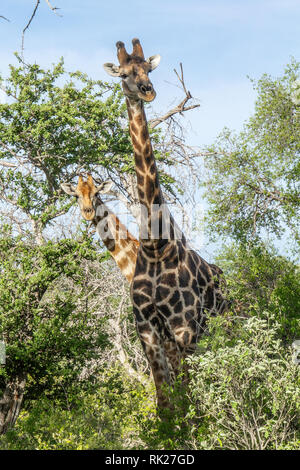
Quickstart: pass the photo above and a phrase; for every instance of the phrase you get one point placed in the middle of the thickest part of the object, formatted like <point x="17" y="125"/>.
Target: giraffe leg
<point x="174" y="358"/>
<point x="151" y="341"/>
<point x="186" y="341"/>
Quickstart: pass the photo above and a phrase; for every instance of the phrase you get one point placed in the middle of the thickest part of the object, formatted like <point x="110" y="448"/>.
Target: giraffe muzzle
<point x="88" y="213"/>
<point x="147" y="92"/>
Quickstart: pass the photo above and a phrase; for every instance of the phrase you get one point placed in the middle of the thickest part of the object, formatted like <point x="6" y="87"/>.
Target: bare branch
<point x="10" y="165"/>
<point x="13" y="154"/>
<point x="28" y="24"/>
<point x="54" y="9"/>
<point x="180" y="108"/>
<point x="1" y="16"/>
<point x="115" y="324"/>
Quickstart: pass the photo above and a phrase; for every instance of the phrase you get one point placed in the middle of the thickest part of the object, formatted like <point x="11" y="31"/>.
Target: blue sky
<point x="219" y="42"/>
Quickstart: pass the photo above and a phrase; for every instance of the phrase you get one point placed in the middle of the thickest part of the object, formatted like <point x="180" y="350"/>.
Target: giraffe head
<point x="134" y="70"/>
<point x="87" y="194"/>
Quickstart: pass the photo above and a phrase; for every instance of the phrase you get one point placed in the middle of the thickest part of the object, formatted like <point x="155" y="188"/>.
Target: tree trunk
<point x="10" y="402"/>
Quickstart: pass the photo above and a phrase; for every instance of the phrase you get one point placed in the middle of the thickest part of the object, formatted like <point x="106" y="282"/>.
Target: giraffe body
<point x="173" y="288"/>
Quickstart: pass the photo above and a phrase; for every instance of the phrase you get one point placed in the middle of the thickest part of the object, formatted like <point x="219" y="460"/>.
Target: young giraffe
<point x="173" y="287"/>
<point x="120" y="243"/>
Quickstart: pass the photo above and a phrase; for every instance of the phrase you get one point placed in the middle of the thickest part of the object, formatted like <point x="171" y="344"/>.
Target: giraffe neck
<point x="148" y="183"/>
<point x="121" y="244"/>
<point x="157" y="225"/>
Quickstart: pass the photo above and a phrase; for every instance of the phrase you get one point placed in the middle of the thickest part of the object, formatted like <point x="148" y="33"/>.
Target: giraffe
<point x="173" y="288"/>
<point x="121" y="244"/>
<point x="109" y="227"/>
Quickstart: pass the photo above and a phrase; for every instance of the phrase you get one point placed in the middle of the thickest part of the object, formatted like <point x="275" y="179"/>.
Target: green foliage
<point x="106" y="419"/>
<point x="244" y="390"/>
<point x="54" y="126"/>
<point x="260" y="279"/>
<point x="119" y="414"/>
<point x="46" y="334"/>
<point x="245" y="395"/>
<point x="253" y="177"/>
<point x="245" y="387"/>
<point x="55" y="123"/>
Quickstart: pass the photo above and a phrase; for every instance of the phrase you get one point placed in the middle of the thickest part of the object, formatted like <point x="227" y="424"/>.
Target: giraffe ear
<point x="104" y="187"/>
<point x="69" y="189"/>
<point x="154" y="61"/>
<point x="112" y="69"/>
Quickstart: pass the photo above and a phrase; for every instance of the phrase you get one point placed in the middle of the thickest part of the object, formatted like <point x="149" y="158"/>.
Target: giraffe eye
<point x="123" y="75"/>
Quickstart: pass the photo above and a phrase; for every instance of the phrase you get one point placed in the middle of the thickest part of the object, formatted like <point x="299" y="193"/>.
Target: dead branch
<point x="13" y="154"/>
<point x="54" y="9"/>
<point x="29" y="23"/>
<point x="11" y="165"/>
<point x="115" y="324"/>
<point x="181" y="107"/>
<point x="1" y="16"/>
<point x="130" y="203"/>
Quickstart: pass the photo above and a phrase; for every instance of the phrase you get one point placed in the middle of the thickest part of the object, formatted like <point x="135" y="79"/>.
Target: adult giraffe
<point x="121" y="244"/>
<point x="173" y="288"/>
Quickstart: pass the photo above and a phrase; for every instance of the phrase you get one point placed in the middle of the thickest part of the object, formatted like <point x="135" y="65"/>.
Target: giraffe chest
<point x="166" y="288"/>
<point x="176" y="289"/>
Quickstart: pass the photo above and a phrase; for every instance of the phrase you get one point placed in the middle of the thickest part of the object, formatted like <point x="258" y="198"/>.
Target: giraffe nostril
<point x="145" y="88"/>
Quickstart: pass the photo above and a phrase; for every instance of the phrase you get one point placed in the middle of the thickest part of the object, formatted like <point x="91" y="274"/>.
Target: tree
<point x="54" y="310"/>
<point x="45" y="332"/>
<point x="52" y="132"/>
<point x="260" y="279"/>
<point x="253" y="177"/>
<point x="245" y="370"/>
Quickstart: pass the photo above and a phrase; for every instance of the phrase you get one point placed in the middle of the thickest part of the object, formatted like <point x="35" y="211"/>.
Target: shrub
<point x="245" y="394"/>
<point x="105" y="419"/>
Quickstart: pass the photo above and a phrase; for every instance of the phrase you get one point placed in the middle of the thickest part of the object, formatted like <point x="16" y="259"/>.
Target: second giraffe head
<point x="134" y="70"/>
<point x="87" y="193"/>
